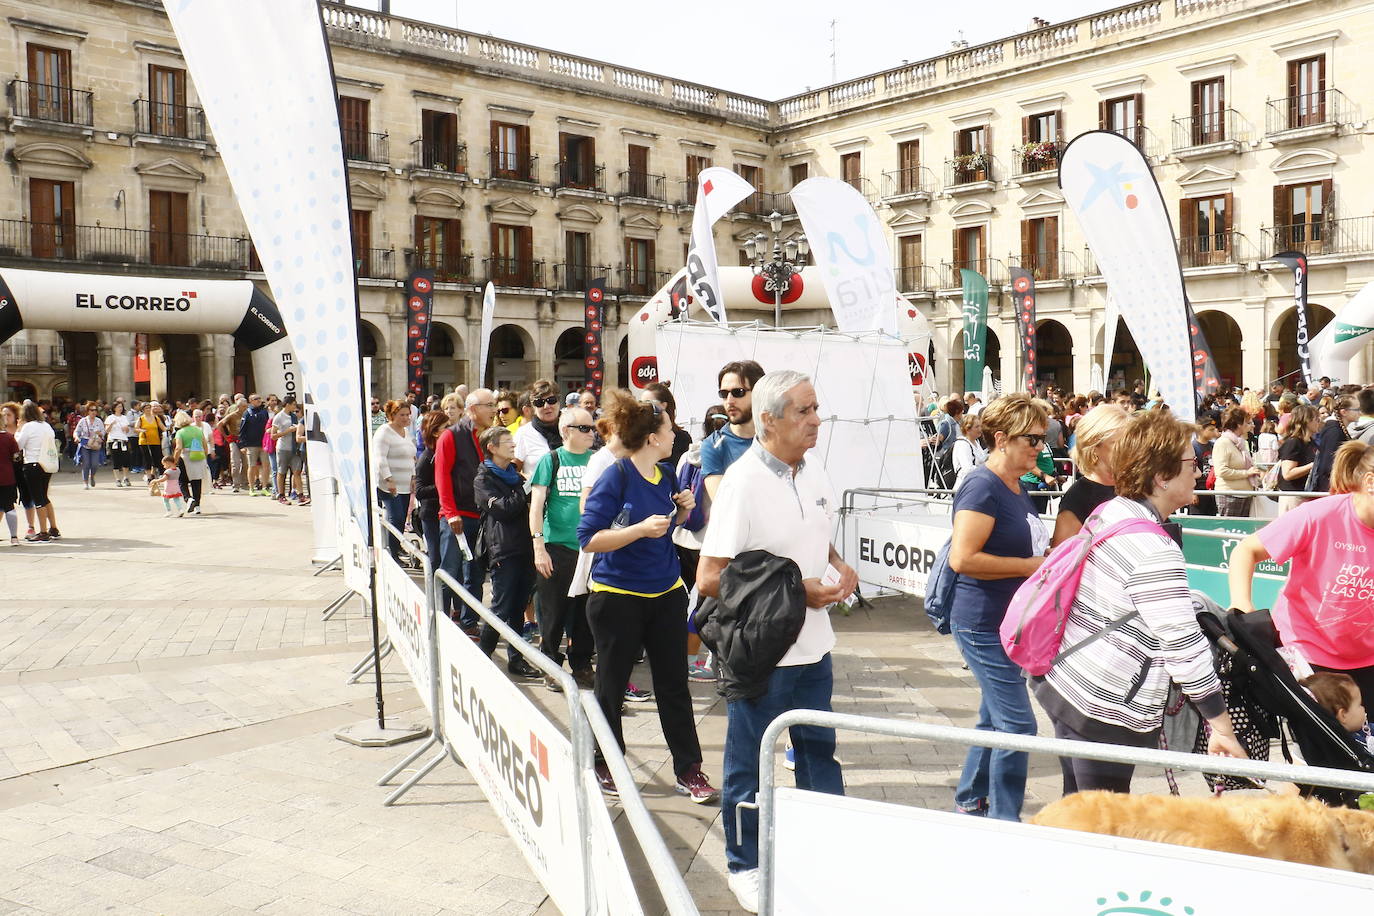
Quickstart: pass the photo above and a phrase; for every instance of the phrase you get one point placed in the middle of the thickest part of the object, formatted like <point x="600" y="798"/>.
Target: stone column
<point x="1259" y="356"/>
<point x="540" y="363"/>
<point x="114" y="359"/>
<point x="610" y="345"/>
<point x="220" y="375"/>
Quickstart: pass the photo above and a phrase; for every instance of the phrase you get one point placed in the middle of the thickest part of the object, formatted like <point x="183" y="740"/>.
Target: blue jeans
<point x="791" y="687"/>
<point x="394" y="507"/>
<point x="468" y="573"/>
<point x="90" y="463"/>
<point x="994" y="782"/>
<point x="432" y="524"/>
<point x="511" y="581"/>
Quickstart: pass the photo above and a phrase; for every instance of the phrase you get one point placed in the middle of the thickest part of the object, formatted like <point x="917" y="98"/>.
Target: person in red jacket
<point x="457" y="457"/>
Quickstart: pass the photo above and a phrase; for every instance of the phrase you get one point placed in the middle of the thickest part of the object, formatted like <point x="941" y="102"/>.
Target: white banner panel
<point x="895" y="554"/>
<point x="263" y="75"/>
<point x="973" y="866"/>
<point x="718" y="189"/>
<point x="850" y="252"/>
<point x="488" y="316"/>
<point x="1336" y="345"/>
<point x="1108" y="185"/>
<point x="869" y="438"/>
<point x="402" y="603"/>
<point x="615" y="893"/>
<point x="522" y="762"/>
<point x="353" y="549"/>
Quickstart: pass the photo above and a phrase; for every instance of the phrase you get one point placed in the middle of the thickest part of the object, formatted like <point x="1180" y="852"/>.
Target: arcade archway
<point x="1224" y="337"/>
<point x="1283" y="342"/>
<point x="508" y="358"/>
<point x="370" y="343"/>
<point x="1054" y="355"/>
<point x="569" y="351"/>
<point x="83" y="365"/>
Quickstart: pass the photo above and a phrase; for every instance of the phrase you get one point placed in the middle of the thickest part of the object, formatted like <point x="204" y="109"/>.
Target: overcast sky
<point x="768" y="50"/>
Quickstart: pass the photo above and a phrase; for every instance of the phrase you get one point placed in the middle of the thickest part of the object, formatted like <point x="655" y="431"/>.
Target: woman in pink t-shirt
<point x="1326" y="609"/>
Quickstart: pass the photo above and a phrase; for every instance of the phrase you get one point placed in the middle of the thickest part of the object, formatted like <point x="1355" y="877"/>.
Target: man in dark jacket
<point x="772" y="500"/>
<point x="456" y="460"/>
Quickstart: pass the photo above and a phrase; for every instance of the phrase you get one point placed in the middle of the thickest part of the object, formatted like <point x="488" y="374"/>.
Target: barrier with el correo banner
<point x="534" y="771"/>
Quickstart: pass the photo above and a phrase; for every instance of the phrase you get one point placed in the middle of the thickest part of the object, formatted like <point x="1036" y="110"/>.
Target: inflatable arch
<point x="53" y="301"/>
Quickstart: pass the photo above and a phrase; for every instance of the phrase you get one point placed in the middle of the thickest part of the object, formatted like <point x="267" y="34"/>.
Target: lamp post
<point x="778" y="266"/>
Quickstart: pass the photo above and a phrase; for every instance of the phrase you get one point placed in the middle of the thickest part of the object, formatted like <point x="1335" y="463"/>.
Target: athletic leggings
<point x="37" y="480"/>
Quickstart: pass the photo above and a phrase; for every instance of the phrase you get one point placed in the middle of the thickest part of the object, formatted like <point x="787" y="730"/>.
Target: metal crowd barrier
<point x="588" y="727"/>
<point x="969" y="737"/>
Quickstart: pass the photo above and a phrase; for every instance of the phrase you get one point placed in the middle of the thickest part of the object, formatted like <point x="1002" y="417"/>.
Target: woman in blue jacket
<point x="637" y="597"/>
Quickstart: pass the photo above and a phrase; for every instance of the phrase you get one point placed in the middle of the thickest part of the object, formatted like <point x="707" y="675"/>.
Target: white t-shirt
<point x="757" y="508"/>
<point x="601" y="459"/>
<point x="117" y="427"/>
<point x="530" y="446"/>
<point x="33" y="437"/>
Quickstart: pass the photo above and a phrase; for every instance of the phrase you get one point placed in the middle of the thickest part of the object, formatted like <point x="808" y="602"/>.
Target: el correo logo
<point x="1122" y="903"/>
<point x="114" y="301"/>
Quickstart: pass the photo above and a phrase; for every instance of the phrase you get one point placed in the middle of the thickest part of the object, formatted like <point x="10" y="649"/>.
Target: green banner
<point x="975" y="327"/>
<point x="1210" y="551"/>
<point x="1346" y="332"/>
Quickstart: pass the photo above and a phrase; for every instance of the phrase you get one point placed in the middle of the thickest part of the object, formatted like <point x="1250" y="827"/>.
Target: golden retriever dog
<point x="1272" y="827"/>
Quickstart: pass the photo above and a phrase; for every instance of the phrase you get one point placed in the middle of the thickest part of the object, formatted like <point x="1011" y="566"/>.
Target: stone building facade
<point x="486" y="159"/>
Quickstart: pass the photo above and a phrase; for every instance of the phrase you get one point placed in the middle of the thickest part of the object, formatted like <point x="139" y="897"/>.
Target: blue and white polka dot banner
<point x="262" y="72"/>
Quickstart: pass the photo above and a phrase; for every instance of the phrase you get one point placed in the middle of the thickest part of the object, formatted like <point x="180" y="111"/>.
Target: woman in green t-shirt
<point x="191" y="448"/>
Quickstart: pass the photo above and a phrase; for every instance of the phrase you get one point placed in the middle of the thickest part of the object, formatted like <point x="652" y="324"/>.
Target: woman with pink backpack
<point x="1131" y="627"/>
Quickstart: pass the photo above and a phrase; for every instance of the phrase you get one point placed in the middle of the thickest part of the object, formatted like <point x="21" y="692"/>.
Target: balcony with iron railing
<point x="1213" y="249"/>
<point x="576" y="175"/>
<point x="577" y="277"/>
<point x="375" y="263"/>
<point x="19" y="355"/>
<point x="43" y="102"/>
<point x="441" y="156"/>
<point x="1143" y="137"/>
<point x="919" y="278"/>
<point x="168" y="121"/>
<point x="361" y="146"/>
<point x="448" y="267"/>
<point x="1046" y="266"/>
<point x="644" y="186"/>
<point x="515" y="272"/>
<point x="1036" y="159"/>
<point x="970" y="171"/>
<point x="914" y="183"/>
<point x="864" y="187"/>
<point x="992" y="269"/>
<point x="1307" y="115"/>
<point x="1353" y="235"/>
<point x="638" y="281"/>
<point x="509" y="165"/>
<point x="1222" y="130"/>
<point x="111" y="245"/>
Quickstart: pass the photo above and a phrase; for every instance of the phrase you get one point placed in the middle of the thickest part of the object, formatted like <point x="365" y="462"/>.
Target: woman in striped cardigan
<point x="1132" y="620"/>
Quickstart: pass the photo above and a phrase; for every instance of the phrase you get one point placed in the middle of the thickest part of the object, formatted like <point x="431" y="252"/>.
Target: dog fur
<point x="1288" y="828"/>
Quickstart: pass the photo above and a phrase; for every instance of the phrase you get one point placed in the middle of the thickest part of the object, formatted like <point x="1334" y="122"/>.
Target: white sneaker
<point x="745" y="885"/>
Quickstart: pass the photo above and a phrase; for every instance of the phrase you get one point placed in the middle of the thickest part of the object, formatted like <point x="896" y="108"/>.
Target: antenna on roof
<point x="834" y="67"/>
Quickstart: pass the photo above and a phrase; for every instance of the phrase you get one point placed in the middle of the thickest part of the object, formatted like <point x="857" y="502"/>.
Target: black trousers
<point x="621" y="624"/>
<point x="1083" y="775"/>
<point x="560" y="614"/>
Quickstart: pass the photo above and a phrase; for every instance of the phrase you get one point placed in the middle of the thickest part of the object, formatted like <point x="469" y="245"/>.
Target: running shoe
<point x="700" y="673"/>
<point x="551" y="684"/>
<point x="789" y="758"/>
<point x="518" y="667"/>
<point x="14" y="542"/>
<point x="586" y="679"/>
<point x="605" y="780"/>
<point x="530" y="631"/>
<point x="54" y="534"/>
<point x="745" y="886"/>
<point x="637" y="695"/>
<point x="694" y="785"/>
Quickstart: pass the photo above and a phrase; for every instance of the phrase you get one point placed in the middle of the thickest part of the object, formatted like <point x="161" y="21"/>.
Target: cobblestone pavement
<point x="168" y="696"/>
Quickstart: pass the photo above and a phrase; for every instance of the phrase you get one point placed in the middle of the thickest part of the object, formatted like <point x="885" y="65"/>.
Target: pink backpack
<point x="1033" y="627"/>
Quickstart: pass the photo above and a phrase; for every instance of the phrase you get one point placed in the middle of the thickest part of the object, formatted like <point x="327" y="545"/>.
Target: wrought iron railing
<point x="1309" y="109"/>
<point x="993" y="270"/>
<point x="440" y="156"/>
<point x="361" y="146"/>
<point x="1220" y="126"/>
<point x="643" y="186"/>
<point x="515" y="272"/>
<point x="1036" y="157"/>
<point x="376" y="263"/>
<point x="864" y="187"/>
<point x="21" y="238"/>
<point x="901" y="182"/>
<point x="577" y="277"/>
<point x="448" y="268"/>
<point x="512" y="166"/>
<point x="1211" y="249"/>
<point x="1049" y="265"/>
<point x="1352" y="235"/>
<point x="640" y="282"/>
<point x="916" y="279"/>
<point x="582" y="176"/>
<point x="162" y="119"/>
<point x="19" y="354"/>
<point x="970" y="168"/>
<point x="46" y="102"/>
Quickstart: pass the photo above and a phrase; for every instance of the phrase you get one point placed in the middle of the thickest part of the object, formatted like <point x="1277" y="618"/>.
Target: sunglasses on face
<point x="732" y="393"/>
<point x="1033" y="439"/>
<point x="505" y="410"/>
<point x="582" y="427"/>
<point x="544" y="402"/>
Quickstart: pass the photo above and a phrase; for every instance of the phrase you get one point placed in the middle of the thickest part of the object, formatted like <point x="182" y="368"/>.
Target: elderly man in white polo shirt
<point x="771" y="499"/>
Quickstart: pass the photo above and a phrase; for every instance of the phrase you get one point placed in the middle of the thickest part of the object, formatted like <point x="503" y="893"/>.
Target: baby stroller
<point x="1260" y="688"/>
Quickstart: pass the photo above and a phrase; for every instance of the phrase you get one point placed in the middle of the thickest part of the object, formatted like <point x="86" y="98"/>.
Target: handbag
<point x="48" y="458"/>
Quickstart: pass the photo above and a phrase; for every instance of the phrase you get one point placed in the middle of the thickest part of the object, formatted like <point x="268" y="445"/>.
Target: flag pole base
<point x="367" y="734"/>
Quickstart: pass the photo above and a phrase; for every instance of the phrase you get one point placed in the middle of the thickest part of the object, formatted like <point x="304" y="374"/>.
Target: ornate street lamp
<point x="776" y="268"/>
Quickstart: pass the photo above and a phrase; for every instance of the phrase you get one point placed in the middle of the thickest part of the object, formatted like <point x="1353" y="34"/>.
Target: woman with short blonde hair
<point x="1092" y="455"/>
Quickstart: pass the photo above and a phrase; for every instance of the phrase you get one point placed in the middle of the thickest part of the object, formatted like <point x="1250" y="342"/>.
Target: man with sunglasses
<point x="724" y="447"/>
<point x="540" y="436"/>
<point x="555" y="510"/>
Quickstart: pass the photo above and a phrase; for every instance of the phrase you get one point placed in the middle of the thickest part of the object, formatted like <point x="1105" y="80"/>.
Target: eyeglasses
<point x="485" y="404"/>
<point x="582" y="427"/>
<point x="1035" y="439"/>
<point x="733" y="393"/>
<point x="544" y="402"/>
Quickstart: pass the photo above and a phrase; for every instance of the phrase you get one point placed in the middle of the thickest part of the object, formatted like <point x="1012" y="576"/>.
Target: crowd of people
<point x="246" y="444"/>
